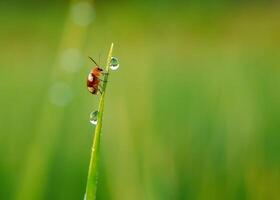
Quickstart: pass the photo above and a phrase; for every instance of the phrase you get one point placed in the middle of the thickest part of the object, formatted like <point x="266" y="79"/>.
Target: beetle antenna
<point x="93" y="60"/>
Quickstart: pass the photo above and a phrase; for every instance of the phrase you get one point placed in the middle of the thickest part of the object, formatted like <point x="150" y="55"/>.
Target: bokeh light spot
<point x="82" y="13"/>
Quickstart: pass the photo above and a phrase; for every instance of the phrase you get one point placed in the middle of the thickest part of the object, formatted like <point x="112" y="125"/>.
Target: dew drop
<point x="93" y="117"/>
<point x="114" y="63"/>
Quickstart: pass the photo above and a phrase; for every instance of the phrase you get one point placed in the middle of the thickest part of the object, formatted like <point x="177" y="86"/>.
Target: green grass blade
<point x="91" y="187"/>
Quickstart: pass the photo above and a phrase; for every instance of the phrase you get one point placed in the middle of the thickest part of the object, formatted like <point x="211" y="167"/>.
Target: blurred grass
<point x="197" y="120"/>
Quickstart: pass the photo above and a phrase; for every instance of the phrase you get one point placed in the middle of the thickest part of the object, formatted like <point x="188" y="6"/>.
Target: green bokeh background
<point x="192" y="113"/>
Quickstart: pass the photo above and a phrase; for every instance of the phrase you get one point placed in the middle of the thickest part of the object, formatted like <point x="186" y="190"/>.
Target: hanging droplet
<point x="114" y="63"/>
<point x="93" y="117"/>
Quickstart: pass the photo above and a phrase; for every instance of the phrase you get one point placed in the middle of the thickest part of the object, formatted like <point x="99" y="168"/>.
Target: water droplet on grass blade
<point x="114" y="63"/>
<point x="93" y="117"/>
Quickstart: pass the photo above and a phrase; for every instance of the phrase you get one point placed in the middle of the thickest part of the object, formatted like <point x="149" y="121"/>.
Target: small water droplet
<point x="114" y="63"/>
<point x="93" y="117"/>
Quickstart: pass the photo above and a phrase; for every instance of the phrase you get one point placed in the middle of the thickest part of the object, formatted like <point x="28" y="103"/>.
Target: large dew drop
<point x="93" y="117"/>
<point x="114" y="63"/>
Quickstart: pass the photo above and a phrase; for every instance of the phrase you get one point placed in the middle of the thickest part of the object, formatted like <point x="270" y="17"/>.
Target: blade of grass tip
<point x="91" y="187"/>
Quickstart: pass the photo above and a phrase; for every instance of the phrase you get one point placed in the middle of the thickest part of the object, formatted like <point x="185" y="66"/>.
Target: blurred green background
<point x="192" y="113"/>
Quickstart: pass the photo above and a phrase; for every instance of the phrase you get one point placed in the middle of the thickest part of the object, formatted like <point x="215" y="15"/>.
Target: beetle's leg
<point x="100" y="91"/>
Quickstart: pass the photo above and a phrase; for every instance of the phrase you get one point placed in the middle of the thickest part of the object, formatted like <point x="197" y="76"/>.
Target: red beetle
<point x="93" y="79"/>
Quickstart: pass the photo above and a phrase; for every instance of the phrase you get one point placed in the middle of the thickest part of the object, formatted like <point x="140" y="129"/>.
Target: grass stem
<point x="92" y="182"/>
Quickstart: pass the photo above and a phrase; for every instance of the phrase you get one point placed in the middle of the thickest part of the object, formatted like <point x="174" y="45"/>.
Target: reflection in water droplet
<point x="93" y="117"/>
<point x="114" y="63"/>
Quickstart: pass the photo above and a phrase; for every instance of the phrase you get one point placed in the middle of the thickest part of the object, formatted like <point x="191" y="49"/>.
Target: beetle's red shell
<point x="93" y="80"/>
